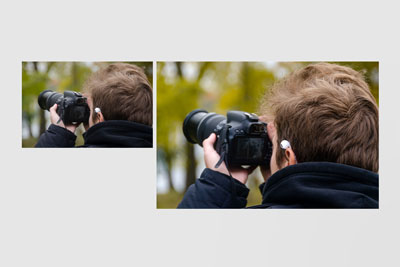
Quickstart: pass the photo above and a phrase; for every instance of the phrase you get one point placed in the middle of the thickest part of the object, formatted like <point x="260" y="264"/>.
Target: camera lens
<point x="199" y="124"/>
<point x="48" y="98"/>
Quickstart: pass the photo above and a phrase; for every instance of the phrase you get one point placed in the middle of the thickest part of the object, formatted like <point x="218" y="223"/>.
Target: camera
<point x="72" y="106"/>
<point x="241" y="138"/>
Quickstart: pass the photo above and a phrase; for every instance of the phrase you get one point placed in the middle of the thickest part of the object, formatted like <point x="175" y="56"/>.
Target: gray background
<point x="97" y="207"/>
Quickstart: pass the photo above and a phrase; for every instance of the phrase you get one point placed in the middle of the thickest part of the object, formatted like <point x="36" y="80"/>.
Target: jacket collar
<point x="119" y="133"/>
<point x="321" y="185"/>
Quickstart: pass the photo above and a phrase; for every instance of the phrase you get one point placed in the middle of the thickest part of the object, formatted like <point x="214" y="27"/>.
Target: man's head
<point x="121" y="92"/>
<point x="327" y="113"/>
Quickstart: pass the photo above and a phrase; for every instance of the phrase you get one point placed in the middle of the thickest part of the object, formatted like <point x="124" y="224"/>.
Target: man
<point x="323" y="124"/>
<point x="121" y="104"/>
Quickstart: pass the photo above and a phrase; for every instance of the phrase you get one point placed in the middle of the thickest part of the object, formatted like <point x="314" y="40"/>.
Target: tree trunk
<point x="190" y="160"/>
<point x="42" y="122"/>
<point x="42" y="118"/>
<point x="28" y="119"/>
<point x="168" y="160"/>
<point x="190" y="165"/>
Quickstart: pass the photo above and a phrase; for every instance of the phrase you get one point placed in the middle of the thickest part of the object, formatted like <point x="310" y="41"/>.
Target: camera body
<point x="72" y="107"/>
<point x="242" y="139"/>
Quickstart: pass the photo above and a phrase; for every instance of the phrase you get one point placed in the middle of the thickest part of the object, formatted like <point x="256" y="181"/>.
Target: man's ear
<point x="100" y="117"/>
<point x="290" y="156"/>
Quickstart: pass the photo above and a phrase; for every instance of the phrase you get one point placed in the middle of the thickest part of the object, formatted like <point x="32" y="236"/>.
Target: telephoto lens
<point x="199" y="124"/>
<point x="48" y="98"/>
<point x="242" y="139"/>
<point x="72" y="106"/>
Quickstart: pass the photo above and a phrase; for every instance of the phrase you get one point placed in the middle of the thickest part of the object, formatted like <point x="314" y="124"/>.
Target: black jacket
<point x="103" y="134"/>
<point x="303" y="185"/>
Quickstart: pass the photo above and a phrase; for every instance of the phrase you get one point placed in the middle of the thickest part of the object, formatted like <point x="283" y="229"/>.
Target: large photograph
<point x="267" y="135"/>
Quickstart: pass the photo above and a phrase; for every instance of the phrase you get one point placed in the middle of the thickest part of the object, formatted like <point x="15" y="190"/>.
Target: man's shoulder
<point x="119" y="133"/>
<point x="322" y="185"/>
<point x="56" y="136"/>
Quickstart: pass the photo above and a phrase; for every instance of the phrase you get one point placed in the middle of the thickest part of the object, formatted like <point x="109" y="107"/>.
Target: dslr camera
<point x="242" y="139"/>
<point x="72" y="107"/>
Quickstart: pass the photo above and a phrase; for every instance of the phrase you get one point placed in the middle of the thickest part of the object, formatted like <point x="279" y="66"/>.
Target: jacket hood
<point x="117" y="133"/>
<point x="321" y="185"/>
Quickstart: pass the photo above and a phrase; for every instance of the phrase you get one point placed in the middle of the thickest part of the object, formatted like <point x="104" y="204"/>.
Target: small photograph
<point x="87" y="104"/>
<point x="267" y="135"/>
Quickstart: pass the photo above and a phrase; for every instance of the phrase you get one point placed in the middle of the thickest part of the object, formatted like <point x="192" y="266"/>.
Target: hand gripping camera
<point x="72" y="106"/>
<point x="241" y="138"/>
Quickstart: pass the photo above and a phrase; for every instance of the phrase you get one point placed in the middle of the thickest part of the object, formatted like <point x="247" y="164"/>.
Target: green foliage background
<point x="216" y="87"/>
<point x="59" y="77"/>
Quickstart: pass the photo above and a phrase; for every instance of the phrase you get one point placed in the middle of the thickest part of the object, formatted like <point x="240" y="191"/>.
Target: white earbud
<point x="285" y="144"/>
<point x="97" y="110"/>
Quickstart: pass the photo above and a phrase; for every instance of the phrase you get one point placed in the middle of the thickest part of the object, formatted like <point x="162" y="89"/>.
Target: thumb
<point x="208" y="144"/>
<point x="53" y="108"/>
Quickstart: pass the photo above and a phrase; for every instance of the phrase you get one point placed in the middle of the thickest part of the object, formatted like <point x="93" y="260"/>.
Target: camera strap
<point x="221" y="159"/>
<point x="222" y="146"/>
